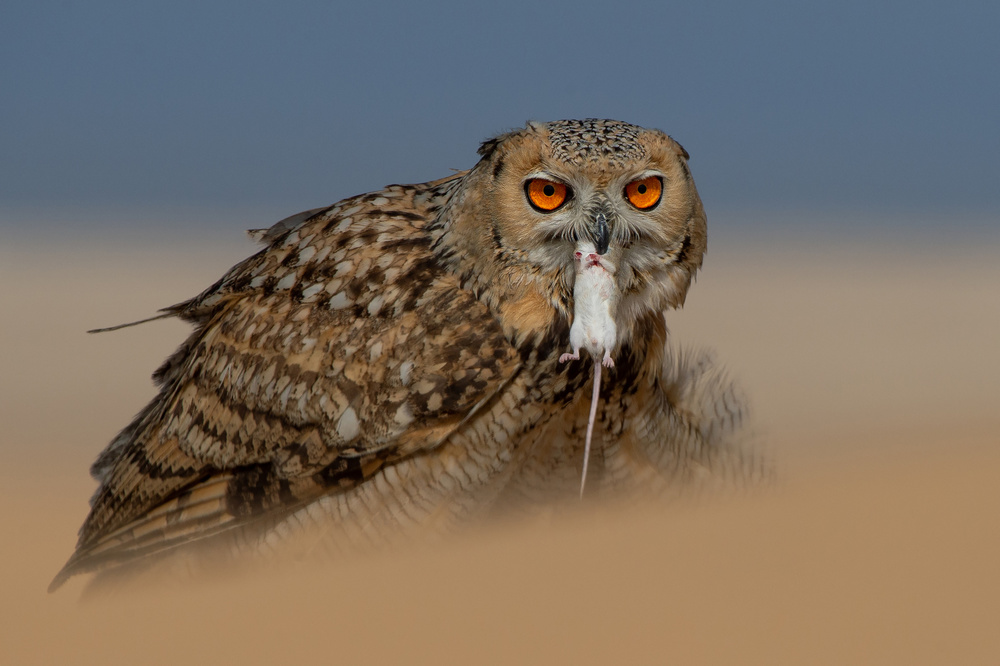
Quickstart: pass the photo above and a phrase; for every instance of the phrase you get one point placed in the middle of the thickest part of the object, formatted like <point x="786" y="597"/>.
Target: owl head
<point x="539" y="191"/>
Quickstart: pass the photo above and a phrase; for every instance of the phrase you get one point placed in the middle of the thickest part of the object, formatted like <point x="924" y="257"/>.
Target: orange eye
<point x="546" y="195"/>
<point x="645" y="193"/>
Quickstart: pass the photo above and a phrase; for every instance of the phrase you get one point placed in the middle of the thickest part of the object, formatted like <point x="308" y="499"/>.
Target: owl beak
<point x="602" y="234"/>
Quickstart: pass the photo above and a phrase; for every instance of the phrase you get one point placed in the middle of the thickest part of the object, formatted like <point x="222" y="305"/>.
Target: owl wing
<point x="687" y="429"/>
<point x="338" y="349"/>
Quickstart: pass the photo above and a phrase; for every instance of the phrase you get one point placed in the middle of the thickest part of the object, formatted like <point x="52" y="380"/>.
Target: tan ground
<point x="874" y="370"/>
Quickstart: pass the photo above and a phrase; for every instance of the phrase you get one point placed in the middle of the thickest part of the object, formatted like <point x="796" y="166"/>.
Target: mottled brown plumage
<point x="390" y="363"/>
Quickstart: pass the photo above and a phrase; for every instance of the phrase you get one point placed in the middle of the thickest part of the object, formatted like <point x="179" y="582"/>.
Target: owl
<point x="402" y="361"/>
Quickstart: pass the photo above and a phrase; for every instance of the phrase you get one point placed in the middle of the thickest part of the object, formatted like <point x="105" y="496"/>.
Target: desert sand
<point x="873" y="370"/>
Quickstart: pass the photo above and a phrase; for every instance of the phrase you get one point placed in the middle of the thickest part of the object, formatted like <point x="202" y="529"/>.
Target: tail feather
<point x="193" y="514"/>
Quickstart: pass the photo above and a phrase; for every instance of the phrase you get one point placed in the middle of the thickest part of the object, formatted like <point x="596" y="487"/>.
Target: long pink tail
<point x="590" y="423"/>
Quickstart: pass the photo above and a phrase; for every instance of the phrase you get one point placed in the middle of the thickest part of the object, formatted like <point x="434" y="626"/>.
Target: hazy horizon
<point x="886" y="107"/>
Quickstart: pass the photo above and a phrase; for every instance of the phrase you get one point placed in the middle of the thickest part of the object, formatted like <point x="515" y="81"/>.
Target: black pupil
<point x="549" y="190"/>
<point x="641" y="189"/>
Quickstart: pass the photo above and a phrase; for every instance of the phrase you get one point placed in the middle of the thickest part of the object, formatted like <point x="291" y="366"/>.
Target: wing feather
<point x="340" y="348"/>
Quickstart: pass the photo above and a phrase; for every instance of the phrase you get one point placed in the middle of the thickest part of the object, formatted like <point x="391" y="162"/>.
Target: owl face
<point x="623" y="188"/>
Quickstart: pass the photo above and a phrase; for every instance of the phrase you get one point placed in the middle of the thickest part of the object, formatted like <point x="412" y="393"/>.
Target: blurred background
<point x="846" y="153"/>
<point x="115" y="112"/>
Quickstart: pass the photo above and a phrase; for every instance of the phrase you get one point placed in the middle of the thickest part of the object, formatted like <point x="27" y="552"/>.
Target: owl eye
<point x="546" y="195"/>
<point x="644" y="193"/>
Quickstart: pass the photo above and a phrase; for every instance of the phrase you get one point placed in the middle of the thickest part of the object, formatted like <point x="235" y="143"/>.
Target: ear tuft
<point x="680" y="149"/>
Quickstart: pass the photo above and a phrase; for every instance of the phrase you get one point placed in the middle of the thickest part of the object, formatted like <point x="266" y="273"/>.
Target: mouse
<point x="593" y="328"/>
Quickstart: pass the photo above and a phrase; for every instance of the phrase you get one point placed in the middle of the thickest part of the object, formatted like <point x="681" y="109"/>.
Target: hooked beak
<point x="602" y="234"/>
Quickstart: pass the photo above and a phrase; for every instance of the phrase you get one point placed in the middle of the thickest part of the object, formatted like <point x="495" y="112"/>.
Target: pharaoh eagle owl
<point x="410" y="359"/>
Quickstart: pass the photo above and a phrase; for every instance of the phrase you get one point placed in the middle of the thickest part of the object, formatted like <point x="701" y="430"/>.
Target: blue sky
<point x="891" y="107"/>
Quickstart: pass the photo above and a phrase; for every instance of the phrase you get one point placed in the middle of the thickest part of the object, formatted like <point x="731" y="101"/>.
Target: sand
<point x="874" y="374"/>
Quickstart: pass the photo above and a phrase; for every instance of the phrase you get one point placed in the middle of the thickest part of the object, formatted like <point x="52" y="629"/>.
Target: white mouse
<point x="593" y="329"/>
<point x="594" y="304"/>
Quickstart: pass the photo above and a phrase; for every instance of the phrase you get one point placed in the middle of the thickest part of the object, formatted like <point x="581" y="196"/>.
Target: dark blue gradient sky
<point x="891" y="107"/>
